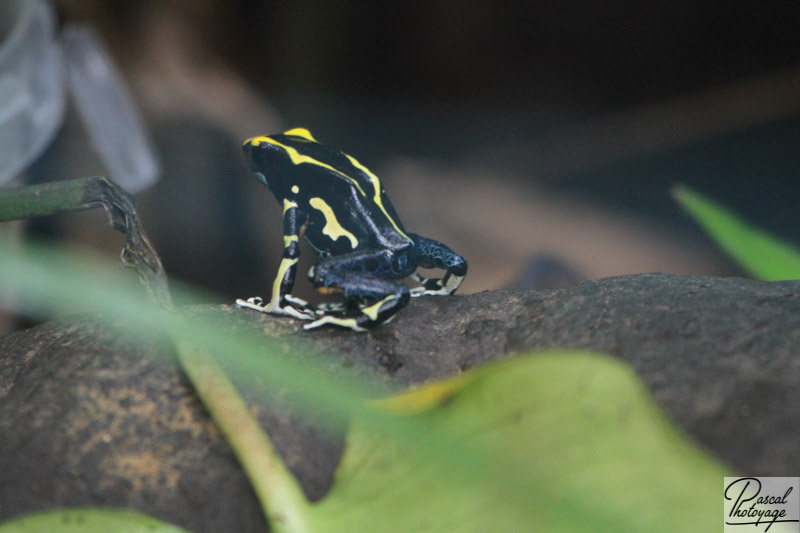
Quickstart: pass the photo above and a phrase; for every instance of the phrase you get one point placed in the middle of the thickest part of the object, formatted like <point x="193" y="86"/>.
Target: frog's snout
<point x="261" y="141"/>
<point x="250" y="144"/>
<point x="255" y="150"/>
<point x="247" y="148"/>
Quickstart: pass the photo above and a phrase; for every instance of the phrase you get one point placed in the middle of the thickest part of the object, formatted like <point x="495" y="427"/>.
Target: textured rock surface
<point x="85" y="419"/>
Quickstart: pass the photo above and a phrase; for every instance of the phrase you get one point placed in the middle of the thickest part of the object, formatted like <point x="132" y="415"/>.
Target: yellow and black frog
<point x="342" y="210"/>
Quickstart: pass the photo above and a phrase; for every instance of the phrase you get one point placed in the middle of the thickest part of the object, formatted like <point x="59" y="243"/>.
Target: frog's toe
<point x="429" y="287"/>
<point x="435" y="286"/>
<point x="288" y="310"/>
<point x="416" y="292"/>
<point x="295" y="307"/>
<point x="296" y="302"/>
<point x="331" y="308"/>
<point x="255" y="303"/>
<point x="367" y="317"/>
<point x="308" y="311"/>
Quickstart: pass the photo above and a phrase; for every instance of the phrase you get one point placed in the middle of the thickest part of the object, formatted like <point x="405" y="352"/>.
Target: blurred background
<point x="537" y="139"/>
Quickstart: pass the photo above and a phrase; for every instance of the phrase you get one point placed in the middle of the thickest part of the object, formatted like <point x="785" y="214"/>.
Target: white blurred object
<point x="107" y="110"/>
<point x="33" y="63"/>
<point x="31" y="84"/>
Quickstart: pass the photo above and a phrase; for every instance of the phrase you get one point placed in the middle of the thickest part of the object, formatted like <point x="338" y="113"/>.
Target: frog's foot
<point x="435" y="286"/>
<point x="351" y="323"/>
<point x="256" y="303"/>
<point x="364" y="318"/>
<point x="293" y="307"/>
<point x="434" y="254"/>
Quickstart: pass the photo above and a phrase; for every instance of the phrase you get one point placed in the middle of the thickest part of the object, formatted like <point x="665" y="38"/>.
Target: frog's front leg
<point x="282" y="302"/>
<point x="363" y="276"/>
<point x="433" y="254"/>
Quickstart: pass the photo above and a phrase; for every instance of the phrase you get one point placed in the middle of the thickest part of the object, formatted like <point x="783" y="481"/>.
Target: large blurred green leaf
<point x="88" y="520"/>
<point x="759" y="253"/>
<point x="562" y="441"/>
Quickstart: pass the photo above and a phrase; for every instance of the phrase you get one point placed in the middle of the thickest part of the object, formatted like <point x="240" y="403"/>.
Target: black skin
<point x="343" y="212"/>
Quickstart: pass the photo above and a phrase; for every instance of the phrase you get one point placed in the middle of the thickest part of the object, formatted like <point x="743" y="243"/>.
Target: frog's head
<point x="261" y="154"/>
<point x="268" y="155"/>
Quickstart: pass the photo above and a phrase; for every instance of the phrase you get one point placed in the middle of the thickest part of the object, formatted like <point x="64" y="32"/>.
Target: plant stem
<point x="281" y="498"/>
<point x="89" y="193"/>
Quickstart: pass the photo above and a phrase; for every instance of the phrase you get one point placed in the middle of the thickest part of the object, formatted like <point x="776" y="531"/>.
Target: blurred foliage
<point x="87" y="520"/>
<point x="756" y="251"/>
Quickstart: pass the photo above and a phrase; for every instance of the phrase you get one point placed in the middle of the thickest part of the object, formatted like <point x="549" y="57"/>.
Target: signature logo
<point x="752" y="502"/>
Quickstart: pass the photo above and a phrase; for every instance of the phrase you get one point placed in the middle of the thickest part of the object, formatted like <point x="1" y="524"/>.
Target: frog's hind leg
<point x="433" y="254"/>
<point x="350" y="274"/>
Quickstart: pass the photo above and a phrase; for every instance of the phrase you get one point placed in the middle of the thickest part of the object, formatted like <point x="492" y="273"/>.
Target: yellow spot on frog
<point x="295" y="189"/>
<point x="332" y="228"/>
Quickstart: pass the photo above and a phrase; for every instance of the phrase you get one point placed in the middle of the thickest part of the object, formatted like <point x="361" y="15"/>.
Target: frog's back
<point x="340" y="195"/>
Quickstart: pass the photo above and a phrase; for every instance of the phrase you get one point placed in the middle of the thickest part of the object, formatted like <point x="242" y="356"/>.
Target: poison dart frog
<point x="342" y="210"/>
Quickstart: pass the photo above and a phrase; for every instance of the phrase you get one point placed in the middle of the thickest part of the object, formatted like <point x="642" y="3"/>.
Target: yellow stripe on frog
<point x="298" y="158"/>
<point x="286" y="264"/>
<point x="376" y="184"/>
<point x="373" y="310"/>
<point x="288" y="204"/>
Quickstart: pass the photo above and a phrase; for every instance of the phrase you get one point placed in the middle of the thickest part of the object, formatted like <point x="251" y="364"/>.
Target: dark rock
<point x="93" y="414"/>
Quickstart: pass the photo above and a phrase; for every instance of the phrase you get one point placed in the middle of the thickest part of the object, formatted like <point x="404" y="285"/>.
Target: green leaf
<point x="759" y="253"/>
<point x="562" y="441"/>
<point x="87" y="520"/>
